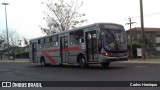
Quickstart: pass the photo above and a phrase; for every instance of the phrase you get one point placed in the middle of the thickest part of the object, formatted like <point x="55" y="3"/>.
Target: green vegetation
<point x="135" y="45"/>
<point x="22" y="54"/>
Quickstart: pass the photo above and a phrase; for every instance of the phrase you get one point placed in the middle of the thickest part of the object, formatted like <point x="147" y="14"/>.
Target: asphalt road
<point x="120" y="71"/>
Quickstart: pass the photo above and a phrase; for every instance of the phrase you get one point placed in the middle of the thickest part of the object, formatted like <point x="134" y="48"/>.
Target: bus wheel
<point x="105" y="65"/>
<point x="43" y="62"/>
<point x="82" y="62"/>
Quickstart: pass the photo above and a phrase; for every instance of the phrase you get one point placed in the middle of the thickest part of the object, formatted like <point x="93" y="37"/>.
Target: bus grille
<point x="118" y="54"/>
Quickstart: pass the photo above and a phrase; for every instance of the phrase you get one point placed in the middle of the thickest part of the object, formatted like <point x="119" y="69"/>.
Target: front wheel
<point x="105" y="65"/>
<point x="82" y="62"/>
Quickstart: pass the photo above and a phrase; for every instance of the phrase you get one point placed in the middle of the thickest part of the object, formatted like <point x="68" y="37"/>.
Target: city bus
<point x="98" y="43"/>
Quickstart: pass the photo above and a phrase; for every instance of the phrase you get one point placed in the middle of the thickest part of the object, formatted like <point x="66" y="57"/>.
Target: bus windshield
<point x="114" y="39"/>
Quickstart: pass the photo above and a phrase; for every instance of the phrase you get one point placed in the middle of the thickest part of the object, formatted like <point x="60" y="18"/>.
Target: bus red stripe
<point x="64" y="49"/>
<point x="74" y="48"/>
<point x="53" y="61"/>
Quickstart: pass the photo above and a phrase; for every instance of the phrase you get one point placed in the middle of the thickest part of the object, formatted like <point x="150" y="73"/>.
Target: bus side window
<point x="79" y="36"/>
<point x="54" y="41"/>
<point x="71" y="38"/>
<point x="40" y="43"/>
<point x="46" y="42"/>
<point x="76" y="37"/>
<point x="81" y="40"/>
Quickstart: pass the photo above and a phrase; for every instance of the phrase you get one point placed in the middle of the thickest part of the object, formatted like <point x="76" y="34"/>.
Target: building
<point x="152" y="40"/>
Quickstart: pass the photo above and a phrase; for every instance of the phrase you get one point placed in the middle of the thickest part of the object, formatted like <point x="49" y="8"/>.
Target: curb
<point x="158" y="62"/>
<point x="14" y="61"/>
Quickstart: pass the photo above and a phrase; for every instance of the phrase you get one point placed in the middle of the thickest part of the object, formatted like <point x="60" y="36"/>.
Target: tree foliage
<point x="62" y="16"/>
<point x="26" y="42"/>
<point x="13" y="40"/>
<point x="12" y="35"/>
<point x="2" y="44"/>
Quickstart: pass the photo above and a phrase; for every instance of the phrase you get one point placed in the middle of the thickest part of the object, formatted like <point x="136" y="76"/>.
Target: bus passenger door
<point x="64" y="49"/>
<point x="91" y="46"/>
<point x="34" y="52"/>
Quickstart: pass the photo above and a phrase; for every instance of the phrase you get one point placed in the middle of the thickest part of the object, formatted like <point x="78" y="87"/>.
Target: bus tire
<point x="43" y="62"/>
<point x="82" y="62"/>
<point x="105" y="65"/>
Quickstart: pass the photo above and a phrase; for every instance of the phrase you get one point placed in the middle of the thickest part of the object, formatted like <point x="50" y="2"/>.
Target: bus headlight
<point x="106" y="54"/>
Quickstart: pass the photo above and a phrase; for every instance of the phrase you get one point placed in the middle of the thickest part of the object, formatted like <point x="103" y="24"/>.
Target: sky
<point x="25" y="16"/>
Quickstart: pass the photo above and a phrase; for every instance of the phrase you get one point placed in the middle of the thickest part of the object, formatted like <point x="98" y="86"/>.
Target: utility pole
<point x="5" y="4"/>
<point x="19" y="43"/>
<point x="142" y="30"/>
<point x="20" y="48"/>
<point x="130" y="32"/>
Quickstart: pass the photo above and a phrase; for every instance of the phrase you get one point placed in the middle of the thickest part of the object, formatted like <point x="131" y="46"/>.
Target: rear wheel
<point x="82" y="62"/>
<point x="60" y="64"/>
<point x="43" y="62"/>
<point x="105" y="65"/>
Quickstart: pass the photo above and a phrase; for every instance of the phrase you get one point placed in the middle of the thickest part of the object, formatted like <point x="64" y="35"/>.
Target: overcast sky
<point x="25" y="16"/>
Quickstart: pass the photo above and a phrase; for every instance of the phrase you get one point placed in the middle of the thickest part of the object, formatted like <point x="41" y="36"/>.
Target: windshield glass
<point x="114" y="39"/>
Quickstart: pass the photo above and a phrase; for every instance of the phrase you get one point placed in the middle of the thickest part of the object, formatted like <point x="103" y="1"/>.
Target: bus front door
<point x="64" y="49"/>
<point x="91" y="46"/>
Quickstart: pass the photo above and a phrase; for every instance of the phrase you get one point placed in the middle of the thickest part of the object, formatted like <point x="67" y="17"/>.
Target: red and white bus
<point x="99" y="43"/>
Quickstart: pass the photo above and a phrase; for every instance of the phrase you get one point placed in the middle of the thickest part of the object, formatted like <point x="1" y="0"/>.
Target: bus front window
<point x="114" y="39"/>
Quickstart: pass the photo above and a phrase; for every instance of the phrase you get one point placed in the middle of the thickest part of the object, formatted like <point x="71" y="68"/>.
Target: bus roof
<point x="74" y="29"/>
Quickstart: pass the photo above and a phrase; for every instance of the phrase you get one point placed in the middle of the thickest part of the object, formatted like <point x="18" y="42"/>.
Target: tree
<point x="2" y="44"/>
<point x="13" y="41"/>
<point x="26" y="43"/>
<point x="13" y="37"/>
<point x="1" y="47"/>
<point x="62" y="16"/>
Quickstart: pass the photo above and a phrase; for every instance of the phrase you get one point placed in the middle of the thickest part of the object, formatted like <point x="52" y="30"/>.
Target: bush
<point x="19" y="54"/>
<point x="10" y="54"/>
<point x="22" y="55"/>
<point x="135" y="45"/>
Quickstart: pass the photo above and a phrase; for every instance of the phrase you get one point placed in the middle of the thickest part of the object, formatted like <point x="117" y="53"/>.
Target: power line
<point x="146" y="15"/>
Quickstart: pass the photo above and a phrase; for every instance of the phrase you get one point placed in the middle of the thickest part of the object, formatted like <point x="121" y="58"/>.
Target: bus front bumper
<point x="104" y="59"/>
